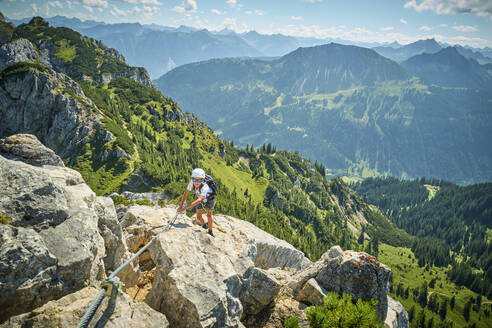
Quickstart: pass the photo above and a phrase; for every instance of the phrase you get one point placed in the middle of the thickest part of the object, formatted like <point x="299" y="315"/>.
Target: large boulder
<point x="355" y="273"/>
<point x="19" y="50"/>
<point x="397" y="317"/>
<point x="51" y="242"/>
<point x="259" y="290"/>
<point x="209" y="281"/>
<point x="358" y="274"/>
<point x="28" y="149"/>
<point x="67" y="312"/>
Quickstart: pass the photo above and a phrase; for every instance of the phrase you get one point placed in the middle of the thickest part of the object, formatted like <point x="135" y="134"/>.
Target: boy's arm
<point x="183" y="198"/>
<point x="195" y="202"/>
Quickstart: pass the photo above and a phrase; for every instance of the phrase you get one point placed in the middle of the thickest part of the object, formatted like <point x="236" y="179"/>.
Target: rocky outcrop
<point x="54" y="239"/>
<point x="57" y="238"/>
<point x="239" y="276"/>
<point x="27" y="148"/>
<point x="137" y="74"/>
<point x="19" y="50"/>
<point x="49" y="105"/>
<point x="397" y="316"/>
<point x="67" y="311"/>
<point x="355" y="273"/>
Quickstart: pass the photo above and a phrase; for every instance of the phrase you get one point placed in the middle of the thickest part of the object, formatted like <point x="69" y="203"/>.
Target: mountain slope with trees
<point x="366" y="121"/>
<point x="453" y="224"/>
<point x="144" y="142"/>
<point x="448" y="68"/>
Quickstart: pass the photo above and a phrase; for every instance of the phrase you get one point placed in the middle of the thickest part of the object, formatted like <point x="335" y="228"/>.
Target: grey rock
<point x="27" y="269"/>
<point x="111" y="231"/>
<point x="358" y="274"/>
<point x="52" y="244"/>
<point x="152" y="196"/>
<point x="67" y="312"/>
<point x="201" y="278"/>
<point x="28" y="149"/>
<point x="335" y="251"/>
<point x="20" y="50"/>
<point x="312" y="293"/>
<point x="122" y="153"/>
<point x="397" y="317"/>
<point x="35" y="102"/>
<point x="259" y="290"/>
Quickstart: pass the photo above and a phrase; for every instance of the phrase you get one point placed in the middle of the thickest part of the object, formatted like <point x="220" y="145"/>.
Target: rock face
<point x="27" y="148"/>
<point x="238" y="276"/>
<point x="67" y="311"/>
<point x="51" y="242"/>
<point x="397" y="316"/>
<point x="19" y="50"/>
<point x="359" y="275"/>
<point x="203" y="278"/>
<point x="39" y="103"/>
<point x="57" y="238"/>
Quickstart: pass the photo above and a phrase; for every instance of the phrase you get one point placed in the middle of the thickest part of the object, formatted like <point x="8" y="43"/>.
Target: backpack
<point x="211" y="184"/>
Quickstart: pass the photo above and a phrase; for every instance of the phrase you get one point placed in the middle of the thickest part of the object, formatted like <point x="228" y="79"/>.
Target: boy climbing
<point x="205" y="191"/>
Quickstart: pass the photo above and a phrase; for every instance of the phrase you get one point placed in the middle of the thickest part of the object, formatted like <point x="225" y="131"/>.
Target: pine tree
<point x="466" y="311"/>
<point x="411" y="313"/>
<point x="443" y="309"/>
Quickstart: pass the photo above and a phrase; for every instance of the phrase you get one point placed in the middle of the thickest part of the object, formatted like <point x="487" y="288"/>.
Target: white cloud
<point x="218" y="12"/>
<point x="55" y="4"/>
<point x="403" y="21"/>
<point x="186" y="5"/>
<point x="387" y="28"/>
<point x="463" y="28"/>
<point x="259" y="12"/>
<point x="89" y="9"/>
<point x="141" y="2"/>
<point x="248" y="12"/>
<point x="190" y="5"/>
<point x="179" y="9"/>
<point x="425" y="28"/>
<point x="446" y="7"/>
<point x="94" y="3"/>
<point x="145" y="9"/>
<point x="313" y="1"/>
<point x="297" y="18"/>
<point x="34" y="8"/>
<point x="117" y="12"/>
<point x="232" y="3"/>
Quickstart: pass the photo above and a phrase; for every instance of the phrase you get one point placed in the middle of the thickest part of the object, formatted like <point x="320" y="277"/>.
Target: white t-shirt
<point x="203" y="192"/>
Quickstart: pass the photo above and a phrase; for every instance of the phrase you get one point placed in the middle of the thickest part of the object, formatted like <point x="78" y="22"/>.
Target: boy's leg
<point x="209" y="217"/>
<point x="199" y="212"/>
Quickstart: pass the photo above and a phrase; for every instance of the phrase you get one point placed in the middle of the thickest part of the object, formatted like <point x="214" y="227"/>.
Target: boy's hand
<point x="181" y="209"/>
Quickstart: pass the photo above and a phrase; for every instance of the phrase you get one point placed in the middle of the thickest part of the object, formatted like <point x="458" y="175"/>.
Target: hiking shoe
<point x="205" y="226"/>
<point x="211" y="233"/>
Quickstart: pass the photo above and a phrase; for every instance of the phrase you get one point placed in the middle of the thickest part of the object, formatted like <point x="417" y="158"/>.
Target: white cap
<point x="198" y="173"/>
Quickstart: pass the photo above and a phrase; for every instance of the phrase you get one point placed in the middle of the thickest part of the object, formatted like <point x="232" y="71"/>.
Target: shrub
<point x="342" y="312"/>
<point x="291" y="322"/>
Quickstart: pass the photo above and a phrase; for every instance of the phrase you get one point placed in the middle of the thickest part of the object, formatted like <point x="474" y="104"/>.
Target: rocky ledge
<point x="57" y="239"/>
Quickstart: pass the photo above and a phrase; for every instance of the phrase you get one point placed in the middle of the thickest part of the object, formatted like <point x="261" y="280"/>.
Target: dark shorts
<point x="208" y="205"/>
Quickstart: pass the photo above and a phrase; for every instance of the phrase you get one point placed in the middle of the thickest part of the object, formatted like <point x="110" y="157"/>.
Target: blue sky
<point x="452" y="21"/>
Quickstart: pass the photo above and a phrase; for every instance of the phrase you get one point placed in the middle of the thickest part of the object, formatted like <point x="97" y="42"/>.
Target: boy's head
<point x="197" y="176"/>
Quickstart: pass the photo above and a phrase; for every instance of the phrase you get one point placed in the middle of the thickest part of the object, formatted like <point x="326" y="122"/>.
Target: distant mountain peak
<point x="38" y="21"/>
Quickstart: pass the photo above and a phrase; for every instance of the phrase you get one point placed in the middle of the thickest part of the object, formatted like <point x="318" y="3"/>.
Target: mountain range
<point x="430" y="46"/>
<point x="350" y="108"/>
<point x="161" y="48"/>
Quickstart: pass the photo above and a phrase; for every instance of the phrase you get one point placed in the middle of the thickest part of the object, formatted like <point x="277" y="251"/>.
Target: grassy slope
<point x="406" y="271"/>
